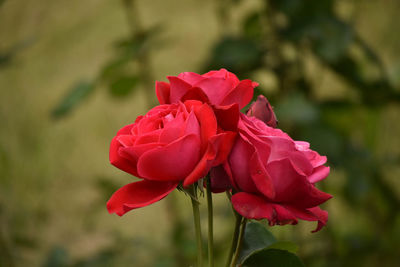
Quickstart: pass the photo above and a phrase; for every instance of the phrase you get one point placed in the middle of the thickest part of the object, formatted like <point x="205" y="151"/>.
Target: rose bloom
<point x="171" y="145"/>
<point x="219" y="88"/>
<point x="272" y="176"/>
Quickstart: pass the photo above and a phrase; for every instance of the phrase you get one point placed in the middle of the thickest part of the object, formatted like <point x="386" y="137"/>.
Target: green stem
<point x="239" y="242"/>
<point x="196" y="217"/>
<point x="234" y="239"/>
<point x="210" y="224"/>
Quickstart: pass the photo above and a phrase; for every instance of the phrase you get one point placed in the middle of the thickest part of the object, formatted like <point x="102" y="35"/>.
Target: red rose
<point x="171" y="144"/>
<point x="273" y="175"/>
<point x="219" y="88"/>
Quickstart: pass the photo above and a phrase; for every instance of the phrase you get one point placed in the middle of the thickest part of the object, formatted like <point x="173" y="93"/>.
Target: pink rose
<point x="171" y="144"/>
<point x="273" y="176"/>
<point x="219" y="88"/>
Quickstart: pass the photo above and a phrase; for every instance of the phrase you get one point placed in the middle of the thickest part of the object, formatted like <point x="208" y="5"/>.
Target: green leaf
<point x="75" y="96"/>
<point x="256" y="237"/>
<point x="284" y="245"/>
<point x="124" y="85"/>
<point x="272" y="258"/>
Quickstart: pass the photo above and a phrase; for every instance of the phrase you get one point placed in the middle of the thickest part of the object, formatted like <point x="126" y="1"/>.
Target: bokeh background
<point x="73" y="72"/>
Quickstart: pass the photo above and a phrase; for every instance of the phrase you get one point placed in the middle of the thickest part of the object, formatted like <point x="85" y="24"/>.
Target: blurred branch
<point x="137" y="32"/>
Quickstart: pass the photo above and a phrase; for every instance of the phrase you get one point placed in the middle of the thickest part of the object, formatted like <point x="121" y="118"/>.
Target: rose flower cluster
<point x="197" y="130"/>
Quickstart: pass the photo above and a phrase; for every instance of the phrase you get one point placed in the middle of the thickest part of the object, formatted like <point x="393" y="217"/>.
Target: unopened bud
<point x="262" y="110"/>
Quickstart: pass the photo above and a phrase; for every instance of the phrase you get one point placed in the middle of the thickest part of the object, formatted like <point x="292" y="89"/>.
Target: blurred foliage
<point x="330" y="85"/>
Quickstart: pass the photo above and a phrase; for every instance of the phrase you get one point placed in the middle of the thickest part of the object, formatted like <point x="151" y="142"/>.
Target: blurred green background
<point x="73" y="72"/>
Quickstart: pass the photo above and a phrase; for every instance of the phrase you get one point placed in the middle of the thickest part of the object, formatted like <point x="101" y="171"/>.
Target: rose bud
<point x="273" y="176"/>
<point x="262" y="110"/>
<point x="171" y="145"/>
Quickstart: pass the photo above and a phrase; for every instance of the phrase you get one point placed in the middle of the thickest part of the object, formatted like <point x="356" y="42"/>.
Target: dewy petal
<point x="241" y="94"/>
<point x="172" y="162"/>
<point x="293" y="188"/>
<point x="178" y="88"/>
<point x="137" y="195"/>
<point x="163" y="92"/>
<point x="251" y="206"/>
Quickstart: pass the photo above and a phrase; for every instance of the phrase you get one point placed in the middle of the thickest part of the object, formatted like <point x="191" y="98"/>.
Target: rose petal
<point x="195" y="93"/>
<point x="292" y="187"/>
<point x="227" y="116"/>
<point x="178" y="88"/>
<point x="137" y="195"/>
<point x="172" y="162"/>
<point x="312" y="214"/>
<point x="215" y="88"/>
<point x="251" y="206"/>
<point x="163" y="92"/>
<point x="118" y="161"/>
<point x="260" y="176"/>
<point x="319" y="174"/>
<point x="220" y="181"/>
<point x="190" y="77"/>
<point x="241" y="94"/>
<point x="240" y="165"/>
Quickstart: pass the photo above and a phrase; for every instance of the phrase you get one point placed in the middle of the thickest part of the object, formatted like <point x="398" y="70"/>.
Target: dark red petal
<point x="196" y="93"/>
<point x="163" y="92"/>
<point x="137" y="195"/>
<point x="251" y="206"/>
<point x="220" y="181"/>
<point x="172" y="162"/>
<point x="227" y="116"/>
<point x="222" y="144"/>
<point x="178" y="88"/>
<point x="262" y="110"/>
<point x="241" y="94"/>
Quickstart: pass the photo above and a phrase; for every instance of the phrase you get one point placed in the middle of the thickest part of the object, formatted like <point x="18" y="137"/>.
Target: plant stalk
<point x="239" y="242"/>
<point x="234" y="239"/>
<point x="196" y="217"/>
<point x="210" y="224"/>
